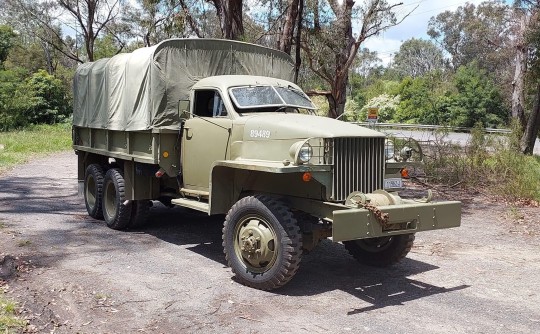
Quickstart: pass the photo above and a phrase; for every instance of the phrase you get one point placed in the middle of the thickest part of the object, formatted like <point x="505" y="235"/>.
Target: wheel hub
<point x="256" y="243"/>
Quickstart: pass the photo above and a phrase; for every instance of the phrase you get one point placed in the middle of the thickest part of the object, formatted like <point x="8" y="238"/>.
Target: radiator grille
<point x="358" y="166"/>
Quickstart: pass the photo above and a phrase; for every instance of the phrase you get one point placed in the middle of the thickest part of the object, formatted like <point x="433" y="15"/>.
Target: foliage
<point x="420" y="100"/>
<point x="106" y="47"/>
<point x="475" y="33"/>
<point x="46" y="99"/>
<point x="417" y="57"/>
<point x="476" y="99"/>
<point x="7" y="37"/>
<point x="330" y="46"/>
<point x="487" y="163"/>
<point x="19" y="146"/>
<point x="387" y="105"/>
<point x="10" y="83"/>
<point x="321" y="104"/>
<point x="467" y="97"/>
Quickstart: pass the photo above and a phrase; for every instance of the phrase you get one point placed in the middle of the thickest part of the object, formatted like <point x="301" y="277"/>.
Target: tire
<point x="380" y="252"/>
<point x="117" y="215"/>
<point x="262" y="242"/>
<point x="93" y="190"/>
<point x="140" y="211"/>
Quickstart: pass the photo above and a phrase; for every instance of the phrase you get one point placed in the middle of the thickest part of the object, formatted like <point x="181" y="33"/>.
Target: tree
<point x="7" y="40"/>
<point x="417" y="57"/>
<point x="285" y="40"/>
<point x="91" y="17"/>
<point x="420" y="100"/>
<point x="331" y="48"/>
<point x="105" y="47"/>
<point x="44" y="99"/>
<point x="88" y="18"/>
<point x="230" y="16"/>
<point x="527" y="71"/>
<point x="156" y="20"/>
<point x="475" y="32"/>
<point x="476" y="100"/>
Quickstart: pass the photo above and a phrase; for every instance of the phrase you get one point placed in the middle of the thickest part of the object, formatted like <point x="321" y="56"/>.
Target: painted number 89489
<point x="259" y="133"/>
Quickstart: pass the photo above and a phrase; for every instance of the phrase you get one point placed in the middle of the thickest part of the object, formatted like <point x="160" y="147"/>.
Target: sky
<point x="415" y="25"/>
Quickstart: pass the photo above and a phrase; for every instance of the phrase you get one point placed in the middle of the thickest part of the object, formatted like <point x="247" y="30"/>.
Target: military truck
<point x="218" y="126"/>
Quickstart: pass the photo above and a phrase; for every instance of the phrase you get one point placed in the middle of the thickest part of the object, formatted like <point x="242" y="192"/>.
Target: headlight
<point x="389" y="150"/>
<point x="301" y="152"/>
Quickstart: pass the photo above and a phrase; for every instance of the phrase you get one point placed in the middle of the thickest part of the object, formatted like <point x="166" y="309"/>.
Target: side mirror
<point x="183" y="109"/>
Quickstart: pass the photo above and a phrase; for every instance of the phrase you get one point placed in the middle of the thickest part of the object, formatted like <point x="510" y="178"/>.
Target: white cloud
<point x="415" y="25"/>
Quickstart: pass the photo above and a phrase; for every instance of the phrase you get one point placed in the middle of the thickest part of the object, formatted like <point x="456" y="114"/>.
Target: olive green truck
<point x="217" y="126"/>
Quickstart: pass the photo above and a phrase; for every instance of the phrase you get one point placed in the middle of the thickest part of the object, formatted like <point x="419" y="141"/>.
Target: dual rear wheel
<point x="105" y="198"/>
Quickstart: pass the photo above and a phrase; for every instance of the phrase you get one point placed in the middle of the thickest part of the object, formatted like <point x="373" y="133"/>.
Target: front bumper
<point x="351" y="224"/>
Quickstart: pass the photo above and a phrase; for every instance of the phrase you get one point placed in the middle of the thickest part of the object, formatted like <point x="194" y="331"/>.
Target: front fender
<point x="230" y="178"/>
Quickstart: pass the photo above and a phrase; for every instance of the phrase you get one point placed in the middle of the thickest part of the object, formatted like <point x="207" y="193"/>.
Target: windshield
<point x="250" y="97"/>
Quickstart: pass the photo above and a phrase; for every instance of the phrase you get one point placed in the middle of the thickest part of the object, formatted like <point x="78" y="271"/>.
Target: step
<point x="192" y="204"/>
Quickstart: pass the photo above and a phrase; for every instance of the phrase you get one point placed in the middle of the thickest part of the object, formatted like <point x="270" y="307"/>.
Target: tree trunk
<point x="533" y="126"/>
<point x="298" y="40"/>
<point x="338" y="97"/>
<point x="230" y="17"/>
<point x="286" y="37"/>
<point x="518" y="85"/>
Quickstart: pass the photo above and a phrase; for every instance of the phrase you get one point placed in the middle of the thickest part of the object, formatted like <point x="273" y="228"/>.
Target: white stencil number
<point x="259" y="134"/>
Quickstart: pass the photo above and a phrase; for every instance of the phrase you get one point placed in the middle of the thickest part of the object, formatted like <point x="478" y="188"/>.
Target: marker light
<point x="405" y="173"/>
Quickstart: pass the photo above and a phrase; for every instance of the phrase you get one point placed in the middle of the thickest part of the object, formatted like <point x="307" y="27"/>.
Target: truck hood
<point x="276" y="126"/>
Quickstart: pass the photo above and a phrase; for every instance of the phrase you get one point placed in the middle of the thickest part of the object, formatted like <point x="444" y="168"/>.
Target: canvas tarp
<point x="140" y="90"/>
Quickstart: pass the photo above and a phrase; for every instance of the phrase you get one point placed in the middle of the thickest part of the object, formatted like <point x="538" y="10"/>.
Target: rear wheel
<point x="380" y="252"/>
<point x="93" y="190"/>
<point x="116" y="213"/>
<point x="262" y="242"/>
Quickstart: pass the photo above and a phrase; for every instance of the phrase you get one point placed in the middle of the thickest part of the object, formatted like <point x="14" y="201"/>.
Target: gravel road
<point x="77" y="275"/>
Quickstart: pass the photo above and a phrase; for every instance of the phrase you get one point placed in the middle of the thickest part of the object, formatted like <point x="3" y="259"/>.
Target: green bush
<point x="41" y="99"/>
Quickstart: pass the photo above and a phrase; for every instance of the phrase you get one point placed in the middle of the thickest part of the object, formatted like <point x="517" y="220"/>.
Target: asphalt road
<point x="76" y="275"/>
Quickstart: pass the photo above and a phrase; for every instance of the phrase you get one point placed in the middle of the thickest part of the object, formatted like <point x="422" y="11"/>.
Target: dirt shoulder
<point x="76" y="275"/>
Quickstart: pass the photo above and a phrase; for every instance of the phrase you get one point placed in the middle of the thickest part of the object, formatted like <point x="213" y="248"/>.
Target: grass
<point x="9" y="322"/>
<point x="17" y="147"/>
<point x="489" y="164"/>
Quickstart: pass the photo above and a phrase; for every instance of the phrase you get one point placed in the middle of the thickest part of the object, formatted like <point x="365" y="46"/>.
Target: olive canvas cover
<point x="140" y="90"/>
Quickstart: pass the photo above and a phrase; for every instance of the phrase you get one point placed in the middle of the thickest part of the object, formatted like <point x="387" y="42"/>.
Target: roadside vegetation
<point x="19" y="146"/>
<point x="9" y="322"/>
<point x="488" y="164"/>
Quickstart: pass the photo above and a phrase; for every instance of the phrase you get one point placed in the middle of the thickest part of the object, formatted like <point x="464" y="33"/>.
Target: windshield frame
<point x="283" y="103"/>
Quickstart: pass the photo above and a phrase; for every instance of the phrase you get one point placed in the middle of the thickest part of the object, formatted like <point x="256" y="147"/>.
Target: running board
<point x="192" y="204"/>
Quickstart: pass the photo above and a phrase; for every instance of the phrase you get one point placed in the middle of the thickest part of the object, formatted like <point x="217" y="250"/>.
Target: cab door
<point x="206" y="137"/>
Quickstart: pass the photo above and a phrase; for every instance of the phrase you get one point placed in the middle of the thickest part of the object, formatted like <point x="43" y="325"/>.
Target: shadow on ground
<point x="327" y="268"/>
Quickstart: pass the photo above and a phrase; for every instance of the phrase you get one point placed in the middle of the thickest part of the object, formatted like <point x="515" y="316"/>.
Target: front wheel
<point x="382" y="251"/>
<point x="262" y="242"/>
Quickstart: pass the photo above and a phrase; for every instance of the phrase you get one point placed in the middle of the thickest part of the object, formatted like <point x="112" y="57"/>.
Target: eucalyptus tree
<point x="330" y="46"/>
<point x="416" y="57"/>
<point x="527" y="72"/>
<point x="54" y="20"/>
<point x="473" y="32"/>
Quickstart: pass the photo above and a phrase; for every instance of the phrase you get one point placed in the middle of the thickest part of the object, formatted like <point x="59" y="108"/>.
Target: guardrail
<point x="427" y="127"/>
